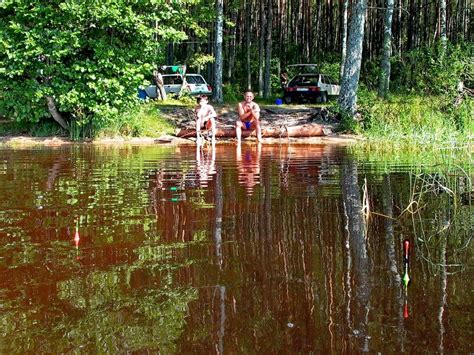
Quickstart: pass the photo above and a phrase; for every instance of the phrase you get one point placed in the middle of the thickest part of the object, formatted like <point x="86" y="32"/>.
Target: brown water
<point x="147" y="249"/>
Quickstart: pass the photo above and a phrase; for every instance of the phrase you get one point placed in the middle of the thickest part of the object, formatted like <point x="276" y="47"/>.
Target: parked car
<point x="193" y="84"/>
<point x="309" y="86"/>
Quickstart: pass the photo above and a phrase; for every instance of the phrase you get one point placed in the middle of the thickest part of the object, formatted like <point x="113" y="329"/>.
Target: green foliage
<point x="143" y="120"/>
<point x="415" y="120"/>
<point x="232" y="93"/>
<point x="430" y="71"/>
<point x="370" y="74"/>
<point x="332" y="69"/>
<point x="425" y="108"/>
<point x="89" y="56"/>
<point x="199" y="60"/>
<point x="274" y="77"/>
<point x="186" y="99"/>
<point x="461" y="113"/>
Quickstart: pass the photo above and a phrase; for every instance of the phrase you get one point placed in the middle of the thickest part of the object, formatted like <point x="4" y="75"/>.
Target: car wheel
<point x="287" y="99"/>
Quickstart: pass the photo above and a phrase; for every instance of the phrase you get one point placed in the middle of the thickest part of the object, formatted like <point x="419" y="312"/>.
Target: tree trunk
<point x="387" y="51"/>
<point x="232" y="41"/>
<point x="356" y="228"/>
<point x="400" y="28"/>
<point x="261" y="46"/>
<point x="306" y="130"/>
<point x="442" y="15"/>
<point x="268" y="51"/>
<point x="344" y="35"/>
<point x="248" y="17"/>
<point x="318" y="25"/>
<point x="411" y="26"/>
<point x="55" y="113"/>
<point x="350" y="78"/>
<point x="219" y="198"/>
<point x="218" y="63"/>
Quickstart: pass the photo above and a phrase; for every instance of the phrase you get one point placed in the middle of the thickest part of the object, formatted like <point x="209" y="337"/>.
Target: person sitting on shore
<point x="249" y="117"/>
<point x="205" y="118"/>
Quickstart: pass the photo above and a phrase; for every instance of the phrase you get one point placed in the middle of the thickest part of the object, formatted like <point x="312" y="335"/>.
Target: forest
<point x="80" y="63"/>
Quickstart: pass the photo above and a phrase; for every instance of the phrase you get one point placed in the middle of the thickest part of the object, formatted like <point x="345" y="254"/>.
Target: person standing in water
<point x="205" y="118"/>
<point x="249" y="117"/>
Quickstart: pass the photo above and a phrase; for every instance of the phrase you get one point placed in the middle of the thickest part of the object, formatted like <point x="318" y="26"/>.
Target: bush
<point x="89" y="57"/>
<point x="232" y="93"/>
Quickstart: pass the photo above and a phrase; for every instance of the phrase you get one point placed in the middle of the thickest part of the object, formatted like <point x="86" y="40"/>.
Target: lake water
<point x="262" y="249"/>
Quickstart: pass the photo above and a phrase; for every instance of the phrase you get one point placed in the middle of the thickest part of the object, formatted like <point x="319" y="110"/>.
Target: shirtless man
<point x="249" y="117"/>
<point x="205" y="118"/>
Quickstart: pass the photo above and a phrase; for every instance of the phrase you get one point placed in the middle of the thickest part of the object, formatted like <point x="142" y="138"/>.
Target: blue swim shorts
<point x="248" y="124"/>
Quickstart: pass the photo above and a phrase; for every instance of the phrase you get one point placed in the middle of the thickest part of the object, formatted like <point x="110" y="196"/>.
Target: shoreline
<point x="181" y="118"/>
<point x="27" y="141"/>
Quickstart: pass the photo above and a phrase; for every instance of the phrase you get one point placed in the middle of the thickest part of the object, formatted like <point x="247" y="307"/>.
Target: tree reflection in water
<point x="176" y="255"/>
<point x="356" y="230"/>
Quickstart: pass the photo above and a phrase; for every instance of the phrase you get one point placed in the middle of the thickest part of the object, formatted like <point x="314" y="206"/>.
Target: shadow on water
<point x="231" y="249"/>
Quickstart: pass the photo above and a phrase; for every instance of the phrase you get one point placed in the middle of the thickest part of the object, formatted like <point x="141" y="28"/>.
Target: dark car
<point x="310" y="87"/>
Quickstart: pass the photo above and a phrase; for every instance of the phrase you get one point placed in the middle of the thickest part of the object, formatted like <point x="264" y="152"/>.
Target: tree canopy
<point x="88" y="56"/>
<point x="81" y="62"/>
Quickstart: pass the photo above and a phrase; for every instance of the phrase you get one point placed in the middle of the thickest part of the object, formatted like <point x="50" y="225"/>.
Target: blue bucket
<point x="142" y="94"/>
<point x="278" y="101"/>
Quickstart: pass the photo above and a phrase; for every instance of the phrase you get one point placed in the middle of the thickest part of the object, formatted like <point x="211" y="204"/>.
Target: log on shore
<point x="306" y="130"/>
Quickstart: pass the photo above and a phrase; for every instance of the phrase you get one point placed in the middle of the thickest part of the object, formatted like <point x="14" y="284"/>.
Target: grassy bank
<point x="146" y="120"/>
<point x="415" y="122"/>
<point x="143" y="120"/>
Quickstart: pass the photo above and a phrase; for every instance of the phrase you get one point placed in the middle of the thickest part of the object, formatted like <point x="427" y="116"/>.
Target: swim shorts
<point x="248" y="124"/>
<point x="206" y="124"/>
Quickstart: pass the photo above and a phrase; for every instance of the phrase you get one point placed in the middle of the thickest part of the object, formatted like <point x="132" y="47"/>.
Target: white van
<point x="193" y="84"/>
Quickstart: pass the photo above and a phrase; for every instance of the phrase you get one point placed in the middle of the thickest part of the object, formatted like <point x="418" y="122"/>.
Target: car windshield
<point x="195" y="79"/>
<point x="304" y="80"/>
<point x="172" y="80"/>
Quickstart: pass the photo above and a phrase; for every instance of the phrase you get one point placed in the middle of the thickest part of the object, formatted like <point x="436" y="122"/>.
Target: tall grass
<point x="417" y="122"/>
<point x="144" y="120"/>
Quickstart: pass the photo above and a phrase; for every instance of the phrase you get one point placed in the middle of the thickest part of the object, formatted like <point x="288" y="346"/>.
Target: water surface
<point x="260" y="249"/>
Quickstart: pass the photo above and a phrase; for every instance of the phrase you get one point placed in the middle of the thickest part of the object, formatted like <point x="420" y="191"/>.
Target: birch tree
<point x="232" y="43"/>
<point x="443" y="31"/>
<point x="218" y="50"/>
<point x="350" y="78"/>
<point x="344" y="34"/>
<point x="387" y="51"/>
